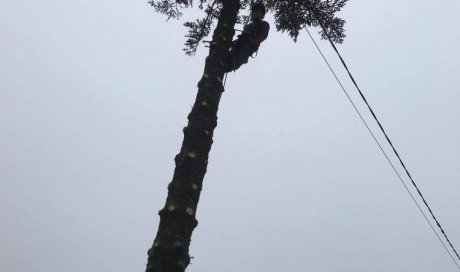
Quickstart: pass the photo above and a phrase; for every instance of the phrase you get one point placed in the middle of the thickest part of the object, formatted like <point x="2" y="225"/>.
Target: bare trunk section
<point x="170" y="250"/>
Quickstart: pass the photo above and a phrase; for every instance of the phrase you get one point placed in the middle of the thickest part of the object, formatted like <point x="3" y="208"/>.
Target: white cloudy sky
<point x="93" y="98"/>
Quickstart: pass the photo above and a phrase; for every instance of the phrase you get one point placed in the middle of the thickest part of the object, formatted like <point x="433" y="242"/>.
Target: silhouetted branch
<point x="200" y="29"/>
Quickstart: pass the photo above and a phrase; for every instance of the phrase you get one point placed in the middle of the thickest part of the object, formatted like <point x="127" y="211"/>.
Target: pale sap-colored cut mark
<point x="194" y="186"/>
<point x="177" y="244"/>
<point x="191" y="155"/>
<point x="206" y="132"/>
<point x="181" y="264"/>
<point x="204" y="103"/>
<point x="205" y="75"/>
<point x="171" y="207"/>
<point x="189" y="211"/>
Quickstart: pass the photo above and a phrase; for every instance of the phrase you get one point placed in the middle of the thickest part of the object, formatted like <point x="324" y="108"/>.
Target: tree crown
<point x="290" y="16"/>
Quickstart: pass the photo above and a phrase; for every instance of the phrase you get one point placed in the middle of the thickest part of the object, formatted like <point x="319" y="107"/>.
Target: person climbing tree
<point x="170" y="249"/>
<point x="249" y="40"/>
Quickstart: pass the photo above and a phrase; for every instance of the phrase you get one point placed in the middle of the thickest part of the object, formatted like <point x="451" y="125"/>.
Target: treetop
<point x="290" y="16"/>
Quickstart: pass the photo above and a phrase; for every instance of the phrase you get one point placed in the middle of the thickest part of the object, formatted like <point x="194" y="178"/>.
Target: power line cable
<point x="391" y="143"/>
<point x="383" y="151"/>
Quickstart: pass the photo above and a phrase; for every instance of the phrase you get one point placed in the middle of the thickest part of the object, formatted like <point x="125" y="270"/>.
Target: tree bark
<point x="170" y="249"/>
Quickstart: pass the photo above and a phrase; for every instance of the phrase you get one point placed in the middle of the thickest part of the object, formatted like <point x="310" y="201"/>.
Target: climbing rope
<point x="225" y="79"/>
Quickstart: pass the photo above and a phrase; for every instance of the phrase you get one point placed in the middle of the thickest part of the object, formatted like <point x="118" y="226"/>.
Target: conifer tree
<point x="170" y="249"/>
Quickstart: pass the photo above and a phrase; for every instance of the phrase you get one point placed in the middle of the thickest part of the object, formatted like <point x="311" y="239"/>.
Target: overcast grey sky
<point x="93" y="98"/>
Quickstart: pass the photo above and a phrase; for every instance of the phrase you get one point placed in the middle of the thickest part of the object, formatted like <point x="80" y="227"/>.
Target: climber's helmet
<point x="256" y="8"/>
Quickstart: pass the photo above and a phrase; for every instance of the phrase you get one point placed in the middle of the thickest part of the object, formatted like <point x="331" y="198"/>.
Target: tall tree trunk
<point x="170" y="249"/>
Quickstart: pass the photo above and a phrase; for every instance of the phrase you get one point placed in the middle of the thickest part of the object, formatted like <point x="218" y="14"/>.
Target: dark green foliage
<point x="170" y="8"/>
<point x="200" y="29"/>
<point x="291" y="16"/>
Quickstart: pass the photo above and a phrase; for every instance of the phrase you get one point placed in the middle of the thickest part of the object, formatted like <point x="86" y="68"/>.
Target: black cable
<point x="383" y="151"/>
<point x="391" y="144"/>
